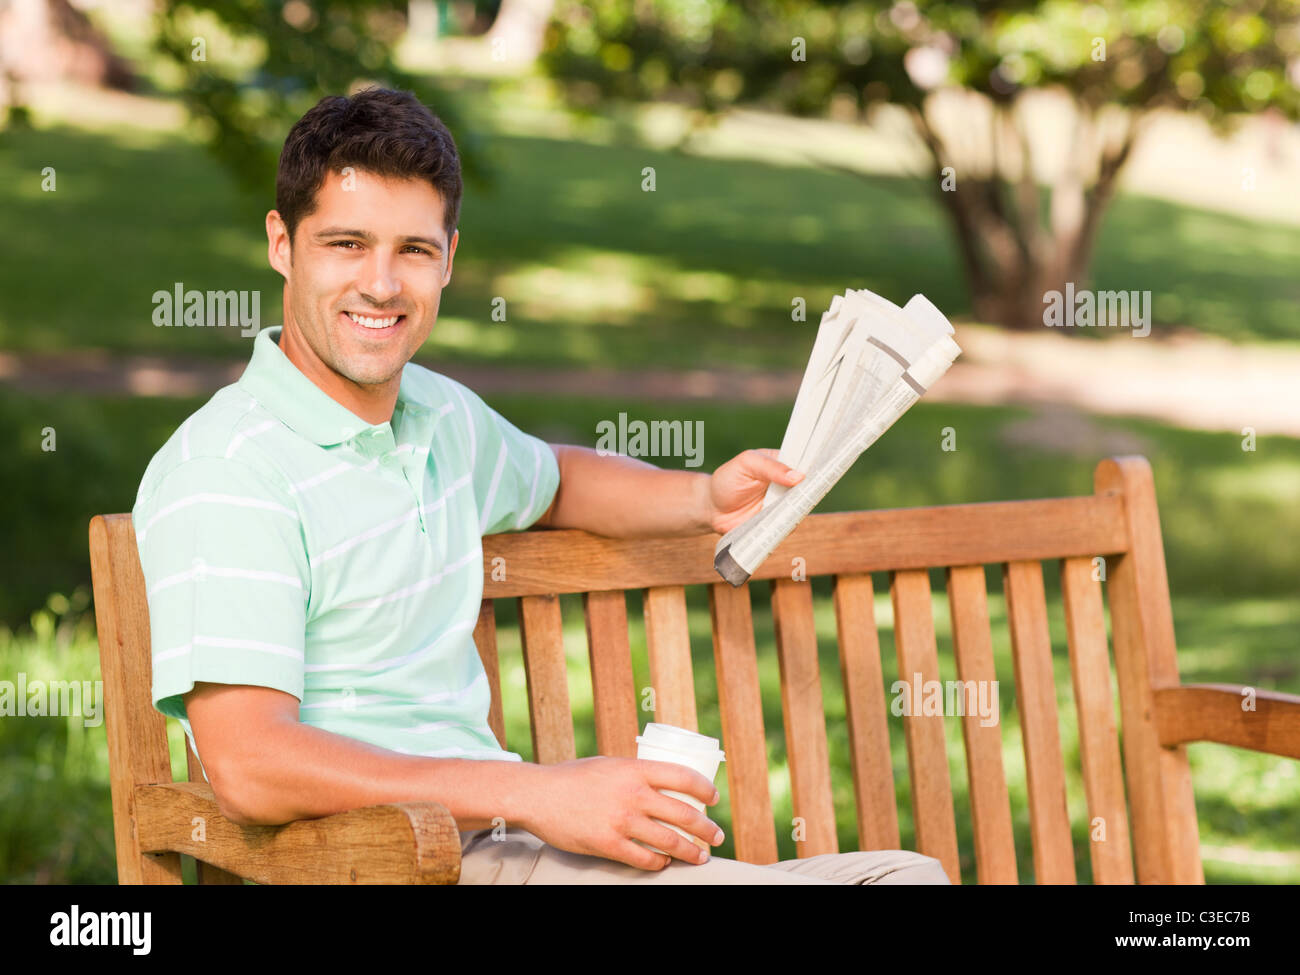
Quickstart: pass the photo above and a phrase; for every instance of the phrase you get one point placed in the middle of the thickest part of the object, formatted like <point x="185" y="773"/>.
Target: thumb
<point x="772" y="469"/>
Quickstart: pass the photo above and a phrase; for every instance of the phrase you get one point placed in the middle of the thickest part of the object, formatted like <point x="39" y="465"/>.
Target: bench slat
<point x="740" y="702"/>
<point x="927" y="754"/>
<point x="1031" y="646"/>
<point x="864" y="706"/>
<point x="1103" y="776"/>
<point x="995" y="843"/>
<point x="549" y="714"/>
<point x="668" y="643"/>
<point x="613" y="691"/>
<point x="832" y="543"/>
<point x="485" y="638"/>
<point x="805" y="717"/>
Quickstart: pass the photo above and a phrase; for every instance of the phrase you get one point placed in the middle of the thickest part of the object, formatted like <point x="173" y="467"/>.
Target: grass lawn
<point x="700" y="272"/>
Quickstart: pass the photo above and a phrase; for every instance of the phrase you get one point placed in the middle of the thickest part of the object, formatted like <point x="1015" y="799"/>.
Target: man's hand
<point x="736" y="488"/>
<point x="598" y="806"/>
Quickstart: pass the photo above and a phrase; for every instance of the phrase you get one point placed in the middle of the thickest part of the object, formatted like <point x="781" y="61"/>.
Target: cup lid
<point x="678" y="739"/>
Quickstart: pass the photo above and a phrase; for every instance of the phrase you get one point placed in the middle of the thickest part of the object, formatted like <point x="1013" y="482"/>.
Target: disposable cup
<point x="668" y="743"/>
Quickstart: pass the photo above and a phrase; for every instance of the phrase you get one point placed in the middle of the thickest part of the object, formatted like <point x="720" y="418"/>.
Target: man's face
<point x="363" y="279"/>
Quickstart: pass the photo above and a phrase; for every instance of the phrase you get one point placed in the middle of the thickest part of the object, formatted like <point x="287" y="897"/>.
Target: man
<point x="311" y="544"/>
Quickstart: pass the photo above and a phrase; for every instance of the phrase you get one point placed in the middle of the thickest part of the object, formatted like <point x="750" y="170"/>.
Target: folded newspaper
<point x="870" y="362"/>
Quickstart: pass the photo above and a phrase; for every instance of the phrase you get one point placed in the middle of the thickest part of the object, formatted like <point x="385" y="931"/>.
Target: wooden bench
<point x="156" y="819"/>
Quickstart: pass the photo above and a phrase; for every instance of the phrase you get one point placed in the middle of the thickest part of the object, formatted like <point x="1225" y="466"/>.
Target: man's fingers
<point x="670" y="809"/>
<point x="669" y="840"/>
<point x="767" y="465"/>
<point x="636" y="855"/>
<point x="678" y="778"/>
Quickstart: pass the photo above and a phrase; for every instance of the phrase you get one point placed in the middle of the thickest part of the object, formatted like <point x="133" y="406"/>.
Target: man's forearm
<point x="296" y="771"/>
<point x="622" y="497"/>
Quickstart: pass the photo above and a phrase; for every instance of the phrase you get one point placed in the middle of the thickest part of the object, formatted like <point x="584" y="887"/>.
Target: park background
<point x="775" y="179"/>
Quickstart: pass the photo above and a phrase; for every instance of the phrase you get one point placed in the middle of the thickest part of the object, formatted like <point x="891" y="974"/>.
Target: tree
<point x="247" y="71"/>
<point x="1116" y="62"/>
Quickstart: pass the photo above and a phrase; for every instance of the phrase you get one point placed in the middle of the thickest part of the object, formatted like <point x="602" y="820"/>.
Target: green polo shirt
<point x="288" y="543"/>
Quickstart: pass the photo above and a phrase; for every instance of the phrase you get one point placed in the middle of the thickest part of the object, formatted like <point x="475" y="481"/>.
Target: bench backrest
<point x="1118" y="523"/>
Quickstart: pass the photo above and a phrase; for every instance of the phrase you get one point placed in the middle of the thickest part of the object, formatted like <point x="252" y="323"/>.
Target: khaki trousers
<point x="519" y="857"/>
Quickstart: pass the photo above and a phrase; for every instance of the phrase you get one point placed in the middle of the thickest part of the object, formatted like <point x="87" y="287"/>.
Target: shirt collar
<point x="300" y="404"/>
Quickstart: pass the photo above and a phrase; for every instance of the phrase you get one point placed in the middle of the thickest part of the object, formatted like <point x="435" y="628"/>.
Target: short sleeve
<point x="515" y="474"/>
<point x="227" y="577"/>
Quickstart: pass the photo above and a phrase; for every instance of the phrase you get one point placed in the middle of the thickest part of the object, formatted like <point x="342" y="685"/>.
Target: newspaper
<point x="870" y="362"/>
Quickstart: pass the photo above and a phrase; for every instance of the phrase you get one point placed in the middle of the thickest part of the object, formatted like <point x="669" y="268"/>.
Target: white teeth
<point x="374" y="322"/>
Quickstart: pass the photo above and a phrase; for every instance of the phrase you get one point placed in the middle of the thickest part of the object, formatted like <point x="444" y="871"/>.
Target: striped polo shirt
<point x="288" y="543"/>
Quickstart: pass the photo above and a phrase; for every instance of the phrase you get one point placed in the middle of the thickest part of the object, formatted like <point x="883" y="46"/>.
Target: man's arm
<point x="622" y="497"/>
<point x="266" y="767"/>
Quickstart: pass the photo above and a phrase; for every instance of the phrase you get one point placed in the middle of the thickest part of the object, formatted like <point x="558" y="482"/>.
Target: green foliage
<point x="247" y="71"/>
<point x="1212" y="57"/>
<point x="56" y="815"/>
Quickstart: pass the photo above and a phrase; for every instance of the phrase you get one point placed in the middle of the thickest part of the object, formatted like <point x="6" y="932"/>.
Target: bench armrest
<point x="1213" y="712"/>
<point x="397" y="843"/>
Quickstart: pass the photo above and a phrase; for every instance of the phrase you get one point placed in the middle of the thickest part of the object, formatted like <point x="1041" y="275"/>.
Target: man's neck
<point x="374" y="404"/>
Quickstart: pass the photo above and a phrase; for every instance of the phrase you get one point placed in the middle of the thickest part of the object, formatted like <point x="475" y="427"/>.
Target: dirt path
<point x="1189" y="381"/>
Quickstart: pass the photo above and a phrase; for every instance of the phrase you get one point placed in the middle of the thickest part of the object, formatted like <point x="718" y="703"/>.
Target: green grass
<point x="700" y="272"/>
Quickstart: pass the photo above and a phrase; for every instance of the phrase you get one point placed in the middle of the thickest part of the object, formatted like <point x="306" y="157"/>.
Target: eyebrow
<point x="370" y="238"/>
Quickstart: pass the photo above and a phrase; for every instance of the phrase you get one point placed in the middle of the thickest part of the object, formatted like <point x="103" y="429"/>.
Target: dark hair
<point x="389" y="133"/>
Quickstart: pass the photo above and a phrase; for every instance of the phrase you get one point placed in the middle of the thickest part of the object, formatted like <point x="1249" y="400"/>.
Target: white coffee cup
<point x="668" y="743"/>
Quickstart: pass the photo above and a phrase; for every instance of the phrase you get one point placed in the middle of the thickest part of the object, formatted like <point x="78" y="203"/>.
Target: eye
<point x="419" y="250"/>
<point x="342" y="243"/>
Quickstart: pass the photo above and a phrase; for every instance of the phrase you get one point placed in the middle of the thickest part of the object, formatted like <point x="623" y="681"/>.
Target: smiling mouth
<point x="375" y="323"/>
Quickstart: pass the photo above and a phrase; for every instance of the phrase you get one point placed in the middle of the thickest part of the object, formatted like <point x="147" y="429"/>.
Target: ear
<point x="279" y="251"/>
<point x="451" y="256"/>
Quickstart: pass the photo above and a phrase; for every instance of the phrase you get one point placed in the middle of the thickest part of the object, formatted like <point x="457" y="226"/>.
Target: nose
<point x="379" y="283"/>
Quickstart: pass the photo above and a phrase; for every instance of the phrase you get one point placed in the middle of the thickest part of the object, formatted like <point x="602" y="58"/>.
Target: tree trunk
<point x="1009" y="259"/>
<point x="50" y="40"/>
<point x="520" y="26"/>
